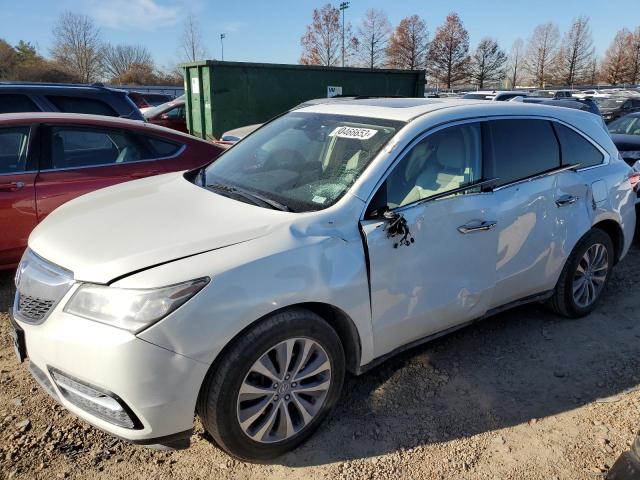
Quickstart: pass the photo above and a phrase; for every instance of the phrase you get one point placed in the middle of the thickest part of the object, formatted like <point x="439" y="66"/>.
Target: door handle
<point x="477" y="227"/>
<point x="565" y="200"/>
<point x="11" y="186"/>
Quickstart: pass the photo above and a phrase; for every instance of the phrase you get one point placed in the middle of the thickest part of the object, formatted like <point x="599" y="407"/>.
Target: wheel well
<point x="612" y="228"/>
<point x="344" y="327"/>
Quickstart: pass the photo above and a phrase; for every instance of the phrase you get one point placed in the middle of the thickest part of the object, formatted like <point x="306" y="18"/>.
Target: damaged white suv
<point x="324" y="242"/>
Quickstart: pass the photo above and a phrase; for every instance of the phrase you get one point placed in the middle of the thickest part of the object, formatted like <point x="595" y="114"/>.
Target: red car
<point x="171" y="115"/>
<point x="47" y="159"/>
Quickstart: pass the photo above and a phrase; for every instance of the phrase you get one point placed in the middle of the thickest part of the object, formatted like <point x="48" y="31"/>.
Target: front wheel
<point x="273" y="387"/>
<point x="584" y="276"/>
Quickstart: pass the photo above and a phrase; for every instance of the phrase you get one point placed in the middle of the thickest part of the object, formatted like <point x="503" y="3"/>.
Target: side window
<point x="519" y="149"/>
<point x="81" y="105"/>
<point x="576" y="149"/>
<point x="162" y="148"/>
<point x="16" y="103"/>
<point x="13" y="149"/>
<point x="443" y="161"/>
<point x="75" y="147"/>
<point x="176" y="113"/>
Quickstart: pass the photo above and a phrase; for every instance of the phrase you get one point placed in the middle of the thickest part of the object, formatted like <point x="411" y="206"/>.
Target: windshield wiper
<point x="255" y="198"/>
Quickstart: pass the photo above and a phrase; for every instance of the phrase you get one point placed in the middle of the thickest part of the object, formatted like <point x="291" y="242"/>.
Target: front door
<point x="17" y="196"/>
<point x="446" y="276"/>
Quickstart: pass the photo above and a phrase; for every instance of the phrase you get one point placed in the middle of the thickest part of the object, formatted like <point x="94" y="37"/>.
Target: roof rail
<point x="54" y="84"/>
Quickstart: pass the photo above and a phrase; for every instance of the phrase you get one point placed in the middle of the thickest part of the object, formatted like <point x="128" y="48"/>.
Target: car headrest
<point x="450" y="153"/>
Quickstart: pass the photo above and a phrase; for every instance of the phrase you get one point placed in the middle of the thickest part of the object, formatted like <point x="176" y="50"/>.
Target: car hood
<point x="626" y="142"/>
<point x="129" y="227"/>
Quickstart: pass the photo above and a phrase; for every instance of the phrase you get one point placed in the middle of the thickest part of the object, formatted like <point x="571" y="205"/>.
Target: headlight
<point x="128" y="308"/>
<point x="631" y="154"/>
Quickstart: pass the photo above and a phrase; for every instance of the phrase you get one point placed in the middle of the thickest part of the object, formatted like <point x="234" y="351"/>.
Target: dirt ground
<point x="525" y="394"/>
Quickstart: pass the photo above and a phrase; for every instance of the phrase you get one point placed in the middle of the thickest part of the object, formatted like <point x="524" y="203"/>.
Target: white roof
<point x="403" y="109"/>
<point x="407" y="109"/>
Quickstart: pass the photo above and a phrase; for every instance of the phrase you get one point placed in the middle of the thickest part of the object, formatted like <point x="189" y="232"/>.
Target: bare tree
<point x="592" y="77"/>
<point x="576" y="52"/>
<point x="634" y="56"/>
<point x="192" y="46"/>
<point x="615" y="66"/>
<point x="372" y="38"/>
<point x="487" y="63"/>
<point x="119" y="59"/>
<point x="514" y="67"/>
<point x="408" y="44"/>
<point x="542" y="51"/>
<point x="322" y="41"/>
<point x="77" y="46"/>
<point x="449" y="52"/>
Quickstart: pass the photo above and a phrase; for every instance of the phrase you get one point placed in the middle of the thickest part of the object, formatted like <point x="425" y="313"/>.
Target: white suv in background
<point x="331" y="238"/>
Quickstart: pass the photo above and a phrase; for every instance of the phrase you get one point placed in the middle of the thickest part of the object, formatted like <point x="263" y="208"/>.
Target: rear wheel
<point x="274" y="386"/>
<point x="584" y="276"/>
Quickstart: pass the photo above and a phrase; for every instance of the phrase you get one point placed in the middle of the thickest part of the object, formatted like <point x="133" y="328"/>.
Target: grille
<point x="34" y="309"/>
<point x="40" y="285"/>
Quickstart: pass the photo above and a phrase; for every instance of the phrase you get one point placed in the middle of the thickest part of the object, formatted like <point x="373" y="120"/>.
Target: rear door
<point x="524" y="154"/>
<point x="79" y="159"/>
<point x="18" y="160"/>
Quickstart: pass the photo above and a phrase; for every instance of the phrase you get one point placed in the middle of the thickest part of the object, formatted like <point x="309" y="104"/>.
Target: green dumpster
<point x="221" y="96"/>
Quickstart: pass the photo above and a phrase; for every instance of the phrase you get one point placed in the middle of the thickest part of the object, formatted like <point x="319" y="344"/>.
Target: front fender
<point x="253" y="279"/>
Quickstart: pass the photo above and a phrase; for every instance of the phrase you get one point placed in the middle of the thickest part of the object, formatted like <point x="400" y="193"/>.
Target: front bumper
<point x="159" y="388"/>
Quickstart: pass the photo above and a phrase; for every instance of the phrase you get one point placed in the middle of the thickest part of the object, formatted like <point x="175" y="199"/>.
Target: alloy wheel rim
<point x="590" y="275"/>
<point x="284" y="390"/>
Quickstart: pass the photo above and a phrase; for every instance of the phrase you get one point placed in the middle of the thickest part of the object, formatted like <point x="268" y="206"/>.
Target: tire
<point x="224" y="402"/>
<point x="563" y="301"/>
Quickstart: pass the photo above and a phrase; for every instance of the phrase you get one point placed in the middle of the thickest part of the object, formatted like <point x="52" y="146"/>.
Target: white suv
<point x="324" y="242"/>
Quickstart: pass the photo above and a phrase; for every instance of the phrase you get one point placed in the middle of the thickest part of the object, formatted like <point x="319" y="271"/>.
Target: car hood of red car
<point x="110" y="233"/>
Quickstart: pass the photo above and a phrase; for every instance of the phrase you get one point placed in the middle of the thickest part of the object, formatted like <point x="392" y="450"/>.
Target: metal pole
<point x="222" y="37"/>
<point x="343" y="7"/>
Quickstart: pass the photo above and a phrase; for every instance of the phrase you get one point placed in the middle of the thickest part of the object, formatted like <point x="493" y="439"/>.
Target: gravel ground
<point x="525" y="394"/>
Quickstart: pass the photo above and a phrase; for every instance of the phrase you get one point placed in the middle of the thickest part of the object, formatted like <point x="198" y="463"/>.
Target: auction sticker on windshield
<point x="353" y="132"/>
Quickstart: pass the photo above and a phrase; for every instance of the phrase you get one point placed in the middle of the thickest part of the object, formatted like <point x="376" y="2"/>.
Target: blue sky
<point x="269" y="31"/>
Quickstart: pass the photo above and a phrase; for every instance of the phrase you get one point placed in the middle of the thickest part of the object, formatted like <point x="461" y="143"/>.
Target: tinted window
<point x="176" y="113"/>
<point x="576" y="149"/>
<point x="520" y="149"/>
<point x="13" y="149"/>
<point x="17" y="103"/>
<point x="163" y="148"/>
<point x="73" y="147"/>
<point x="443" y="161"/>
<point x="82" y="105"/>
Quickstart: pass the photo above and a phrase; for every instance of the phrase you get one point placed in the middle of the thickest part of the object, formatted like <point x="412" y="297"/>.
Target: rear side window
<point x="519" y="149"/>
<point x="13" y="149"/>
<point x="76" y="147"/>
<point x="576" y="149"/>
<point x="81" y="105"/>
<point x="163" y="148"/>
<point x="10" y="103"/>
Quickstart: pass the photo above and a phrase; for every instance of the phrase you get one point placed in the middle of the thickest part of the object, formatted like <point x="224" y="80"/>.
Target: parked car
<point x="144" y="100"/>
<point x="93" y="99"/>
<point x="496" y="96"/>
<point x="171" y="115"/>
<point x="586" y="104"/>
<point x="47" y="159"/>
<point x="233" y="136"/>
<point x="616" y="107"/>
<point x="625" y="133"/>
<point x="328" y="240"/>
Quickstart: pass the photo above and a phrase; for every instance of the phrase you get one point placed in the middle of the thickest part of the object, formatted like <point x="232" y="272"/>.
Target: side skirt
<point x="523" y="301"/>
